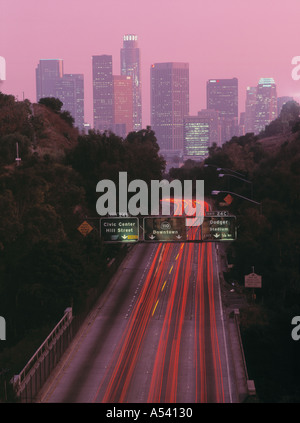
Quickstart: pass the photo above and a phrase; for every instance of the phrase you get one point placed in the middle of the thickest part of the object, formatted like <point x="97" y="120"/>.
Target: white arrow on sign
<point x="178" y="236"/>
<point x="216" y="235"/>
<point x="151" y="236"/>
<point x="124" y="236"/>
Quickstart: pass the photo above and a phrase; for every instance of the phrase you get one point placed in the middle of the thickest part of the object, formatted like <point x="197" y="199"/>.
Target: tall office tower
<point x="196" y="131"/>
<point x="103" y="107"/>
<point x="250" y="106"/>
<point x="281" y="101"/>
<point x="169" y="103"/>
<point x="266" y="104"/>
<point x="123" y="105"/>
<point x="242" y="124"/>
<point x="70" y="90"/>
<point x="222" y="96"/>
<point x="213" y="118"/>
<point x="47" y="73"/>
<point x="130" y="66"/>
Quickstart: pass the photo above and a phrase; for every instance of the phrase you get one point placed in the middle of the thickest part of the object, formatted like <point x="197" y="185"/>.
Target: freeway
<point x="157" y="336"/>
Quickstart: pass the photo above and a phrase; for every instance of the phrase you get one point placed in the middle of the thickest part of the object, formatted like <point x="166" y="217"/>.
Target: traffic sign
<point x="218" y="228"/>
<point x="228" y="199"/>
<point x="252" y="281"/>
<point x="160" y="229"/>
<point x="85" y="228"/>
<point x="119" y="229"/>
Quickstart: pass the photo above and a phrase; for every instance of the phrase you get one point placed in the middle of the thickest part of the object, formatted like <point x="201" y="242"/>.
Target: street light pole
<point x="215" y="192"/>
<point x="221" y="175"/>
<point x="218" y="168"/>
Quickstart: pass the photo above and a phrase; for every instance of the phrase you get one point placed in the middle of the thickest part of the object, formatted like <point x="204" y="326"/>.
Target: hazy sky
<point x="218" y="38"/>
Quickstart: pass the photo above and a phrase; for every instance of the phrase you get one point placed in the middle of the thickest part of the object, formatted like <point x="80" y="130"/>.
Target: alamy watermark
<point x="2" y="69"/>
<point x="2" y="329"/>
<point x="296" y="330"/>
<point x="186" y="204"/>
<point x="296" y="69"/>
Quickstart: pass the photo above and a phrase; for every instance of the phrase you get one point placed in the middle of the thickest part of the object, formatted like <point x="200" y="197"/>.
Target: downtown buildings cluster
<point x="117" y="102"/>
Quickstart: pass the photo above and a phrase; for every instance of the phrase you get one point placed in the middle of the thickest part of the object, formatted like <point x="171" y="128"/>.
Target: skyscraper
<point x="47" y="73"/>
<point x="266" y="104"/>
<point x="130" y="66"/>
<point x="70" y="90"/>
<point x="242" y="124"/>
<point x="196" y="131"/>
<point x="169" y="103"/>
<point x="213" y="118"/>
<point x="250" y="106"/>
<point x="123" y="105"/>
<point x="103" y="107"/>
<point x="222" y="96"/>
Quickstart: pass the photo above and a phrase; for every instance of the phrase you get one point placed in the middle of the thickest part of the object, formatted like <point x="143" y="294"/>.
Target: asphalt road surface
<point x="158" y="336"/>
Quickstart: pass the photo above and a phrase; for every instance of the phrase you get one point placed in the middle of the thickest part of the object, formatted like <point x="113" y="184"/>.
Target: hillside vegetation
<point x="46" y="264"/>
<point x="268" y="240"/>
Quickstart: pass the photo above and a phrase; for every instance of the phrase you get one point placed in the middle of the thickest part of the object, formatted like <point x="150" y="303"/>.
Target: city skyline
<point x="213" y="38"/>
<point x="149" y="195"/>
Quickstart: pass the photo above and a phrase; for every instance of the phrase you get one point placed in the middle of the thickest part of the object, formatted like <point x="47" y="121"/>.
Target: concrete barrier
<point x="250" y="383"/>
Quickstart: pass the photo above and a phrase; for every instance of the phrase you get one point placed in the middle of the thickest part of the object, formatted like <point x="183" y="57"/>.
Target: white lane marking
<point x="222" y="319"/>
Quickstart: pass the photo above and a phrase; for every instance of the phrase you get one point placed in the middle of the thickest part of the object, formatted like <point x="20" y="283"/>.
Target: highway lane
<point x="158" y="337"/>
<point x="86" y="362"/>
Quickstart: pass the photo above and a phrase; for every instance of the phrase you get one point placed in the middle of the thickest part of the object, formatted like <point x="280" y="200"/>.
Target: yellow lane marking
<point x="171" y="269"/>
<point x="164" y="285"/>
<point x="155" y="307"/>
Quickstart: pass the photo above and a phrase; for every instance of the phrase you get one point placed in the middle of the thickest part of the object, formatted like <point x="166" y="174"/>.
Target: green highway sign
<point x="217" y="213"/>
<point x="160" y="229"/>
<point x="119" y="229"/>
<point x="216" y="228"/>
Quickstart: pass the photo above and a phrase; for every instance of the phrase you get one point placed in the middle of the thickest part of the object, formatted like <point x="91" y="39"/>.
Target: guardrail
<point x="250" y="383"/>
<point x="31" y="379"/>
<point x="26" y="378"/>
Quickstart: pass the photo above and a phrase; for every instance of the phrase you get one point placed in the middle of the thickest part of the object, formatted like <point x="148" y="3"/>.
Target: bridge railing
<point x="27" y="383"/>
<point x="31" y="379"/>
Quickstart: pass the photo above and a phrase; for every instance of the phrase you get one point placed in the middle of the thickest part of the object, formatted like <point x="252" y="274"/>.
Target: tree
<point x="288" y="118"/>
<point x="52" y="103"/>
<point x="67" y="117"/>
<point x="290" y="111"/>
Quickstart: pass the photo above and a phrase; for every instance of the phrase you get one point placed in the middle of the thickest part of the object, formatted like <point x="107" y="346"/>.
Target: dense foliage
<point x="268" y="239"/>
<point x="46" y="264"/>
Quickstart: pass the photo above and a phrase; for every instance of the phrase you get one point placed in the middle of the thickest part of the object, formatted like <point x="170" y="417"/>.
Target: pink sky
<point x="218" y="38"/>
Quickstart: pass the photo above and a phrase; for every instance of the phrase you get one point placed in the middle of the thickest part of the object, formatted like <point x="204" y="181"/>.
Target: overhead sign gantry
<point x="217" y="226"/>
